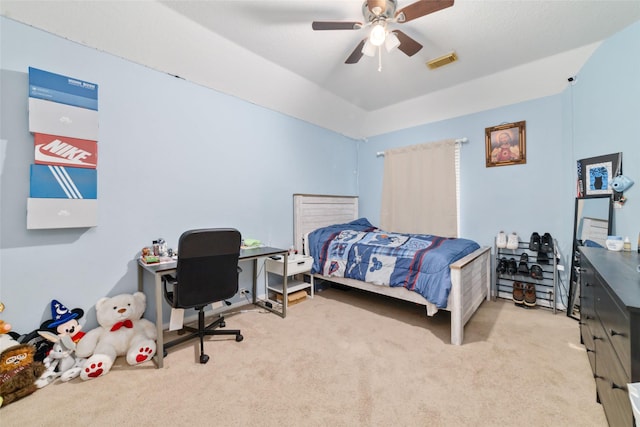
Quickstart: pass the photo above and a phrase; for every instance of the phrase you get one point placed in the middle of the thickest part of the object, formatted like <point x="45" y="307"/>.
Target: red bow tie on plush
<point x="126" y="324"/>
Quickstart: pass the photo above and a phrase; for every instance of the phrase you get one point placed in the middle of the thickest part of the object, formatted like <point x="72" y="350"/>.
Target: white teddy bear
<point x="122" y="331"/>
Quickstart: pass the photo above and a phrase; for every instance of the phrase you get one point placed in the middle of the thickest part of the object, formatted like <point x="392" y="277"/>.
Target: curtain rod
<point x="458" y="141"/>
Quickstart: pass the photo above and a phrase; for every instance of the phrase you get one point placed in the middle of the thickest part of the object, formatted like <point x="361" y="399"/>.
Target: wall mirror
<point x="592" y="223"/>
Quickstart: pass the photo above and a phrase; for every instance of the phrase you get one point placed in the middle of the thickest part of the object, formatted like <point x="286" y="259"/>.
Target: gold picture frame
<point x="506" y="144"/>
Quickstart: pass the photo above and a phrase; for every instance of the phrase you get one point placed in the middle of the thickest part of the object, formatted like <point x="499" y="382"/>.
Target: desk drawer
<point x="294" y="266"/>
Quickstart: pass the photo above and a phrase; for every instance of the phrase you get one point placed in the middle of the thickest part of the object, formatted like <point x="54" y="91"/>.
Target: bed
<point x="321" y="230"/>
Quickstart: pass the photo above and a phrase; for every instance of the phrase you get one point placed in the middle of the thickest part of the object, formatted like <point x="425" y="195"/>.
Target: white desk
<point x="169" y="267"/>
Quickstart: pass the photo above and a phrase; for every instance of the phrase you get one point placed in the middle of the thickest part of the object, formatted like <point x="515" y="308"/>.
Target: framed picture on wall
<point x="505" y="144"/>
<point x="595" y="174"/>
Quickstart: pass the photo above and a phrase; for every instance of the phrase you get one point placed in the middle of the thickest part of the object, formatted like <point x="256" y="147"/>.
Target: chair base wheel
<point x="222" y="324"/>
<point x="239" y="338"/>
<point x="204" y="358"/>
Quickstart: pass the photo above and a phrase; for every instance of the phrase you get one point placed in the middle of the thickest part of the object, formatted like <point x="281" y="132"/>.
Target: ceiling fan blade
<point x="377" y="7"/>
<point x="356" y="54"/>
<point x="332" y="25"/>
<point x="407" y="45"/>
<point x="421" y="8"/>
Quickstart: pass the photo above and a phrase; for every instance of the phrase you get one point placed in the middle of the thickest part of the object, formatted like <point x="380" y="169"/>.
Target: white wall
<point x="172" y="156"/>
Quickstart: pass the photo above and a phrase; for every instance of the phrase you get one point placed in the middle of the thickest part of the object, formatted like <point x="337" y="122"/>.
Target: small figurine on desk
<point x="162" y="247"/>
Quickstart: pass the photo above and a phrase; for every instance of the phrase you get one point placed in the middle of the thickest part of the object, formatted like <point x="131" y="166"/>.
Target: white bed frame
<point x="470" y="276"/>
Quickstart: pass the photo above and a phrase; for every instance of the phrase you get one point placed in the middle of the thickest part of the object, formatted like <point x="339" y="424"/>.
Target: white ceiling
<point x="266" y="52"/>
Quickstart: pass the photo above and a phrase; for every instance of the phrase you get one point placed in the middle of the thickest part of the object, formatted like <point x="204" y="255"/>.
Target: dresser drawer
<point x="615" y="322"/>
<point x="588" y="319"/>
<point x="588" y="284"/>
<point x="611" y="383"/>
<point x="589" y="345"/>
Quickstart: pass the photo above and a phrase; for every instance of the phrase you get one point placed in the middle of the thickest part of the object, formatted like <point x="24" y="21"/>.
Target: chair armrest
<point x="168" y="296"/>
<point x="167" y="278"/>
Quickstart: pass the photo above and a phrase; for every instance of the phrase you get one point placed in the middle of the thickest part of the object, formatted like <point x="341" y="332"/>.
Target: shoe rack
<point x="546" y="287"/>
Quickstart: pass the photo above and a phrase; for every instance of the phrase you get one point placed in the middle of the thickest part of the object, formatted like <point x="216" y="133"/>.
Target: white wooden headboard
<point x="313" y="211"/>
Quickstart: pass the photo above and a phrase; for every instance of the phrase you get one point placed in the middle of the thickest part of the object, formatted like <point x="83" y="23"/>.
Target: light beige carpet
<point x="346" y="358"/>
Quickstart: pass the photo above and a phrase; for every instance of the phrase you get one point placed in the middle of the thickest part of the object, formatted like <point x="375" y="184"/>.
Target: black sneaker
<point x="542" y="258"/>
<point x="546" y="244"/>
<point x="523" y="265"/>
<point x="502" y="266"/>
<point x="512" y="267"/>
<point x="534" y="242"/>
<point x="536" y="272"/>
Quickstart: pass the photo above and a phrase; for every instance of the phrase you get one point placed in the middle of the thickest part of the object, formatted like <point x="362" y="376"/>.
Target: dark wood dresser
<point x="610" y="326"/>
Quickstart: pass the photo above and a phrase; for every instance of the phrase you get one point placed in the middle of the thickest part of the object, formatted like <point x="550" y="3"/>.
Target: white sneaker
<point x="501" y="240"/>
<point x="512" y="242"/>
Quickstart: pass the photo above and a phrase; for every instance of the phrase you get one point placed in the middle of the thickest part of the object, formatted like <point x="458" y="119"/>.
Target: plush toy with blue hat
<point x="64" y="321"/>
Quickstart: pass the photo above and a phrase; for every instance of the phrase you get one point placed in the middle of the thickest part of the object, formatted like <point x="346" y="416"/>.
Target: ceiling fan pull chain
<point x="379" y="59"/>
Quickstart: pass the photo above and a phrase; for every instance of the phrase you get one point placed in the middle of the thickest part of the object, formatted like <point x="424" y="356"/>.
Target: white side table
<point x="297" y="265"/>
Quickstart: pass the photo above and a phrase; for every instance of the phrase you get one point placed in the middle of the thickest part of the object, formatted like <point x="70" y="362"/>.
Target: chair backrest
<point x="207" y="269"/>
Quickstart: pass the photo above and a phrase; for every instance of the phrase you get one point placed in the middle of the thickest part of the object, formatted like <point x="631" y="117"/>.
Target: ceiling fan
<point x="378" y="14"/>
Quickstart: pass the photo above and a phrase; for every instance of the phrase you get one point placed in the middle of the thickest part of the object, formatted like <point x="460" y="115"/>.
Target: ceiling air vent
<point x="442" y="60"/>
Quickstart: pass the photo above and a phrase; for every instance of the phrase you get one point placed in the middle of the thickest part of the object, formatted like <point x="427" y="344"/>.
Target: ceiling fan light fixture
<point x="378" y="34"/>
<point x="391" y="42"/>
<point x="369" y="49"/>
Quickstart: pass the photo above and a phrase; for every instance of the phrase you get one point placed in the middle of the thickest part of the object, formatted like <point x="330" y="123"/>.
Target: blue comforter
<point x="418" y="262"/>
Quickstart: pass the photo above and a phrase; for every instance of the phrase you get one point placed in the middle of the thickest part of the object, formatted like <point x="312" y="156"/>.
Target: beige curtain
<point x="419" y="189"/>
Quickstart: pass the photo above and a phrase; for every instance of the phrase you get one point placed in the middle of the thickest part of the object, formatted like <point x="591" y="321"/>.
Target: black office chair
<point x="207" y="272"/>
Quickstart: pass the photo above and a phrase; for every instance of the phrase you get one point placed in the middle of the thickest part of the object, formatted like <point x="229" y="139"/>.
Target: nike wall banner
<point x="62" y="89"/>
<point x="62" y="182"/>
<point x="65" y="151"/>
<point x="63" y="117"/>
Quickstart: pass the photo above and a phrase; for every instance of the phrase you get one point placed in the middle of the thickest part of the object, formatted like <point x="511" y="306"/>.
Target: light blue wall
<point x="599" y="114"/>
<point x="172" y="156"/>
<point x="606" y="99"/>
<point x="520" y="198"/>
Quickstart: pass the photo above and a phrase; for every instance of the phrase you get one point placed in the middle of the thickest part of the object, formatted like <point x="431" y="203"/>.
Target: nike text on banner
<point x="65" y="151"/>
